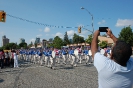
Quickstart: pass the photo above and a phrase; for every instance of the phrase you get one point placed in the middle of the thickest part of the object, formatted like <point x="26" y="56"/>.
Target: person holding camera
<point x="116" y="71"/>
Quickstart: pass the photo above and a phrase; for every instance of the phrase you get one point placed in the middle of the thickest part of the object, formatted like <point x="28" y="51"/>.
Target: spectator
<point x="2" y="56"/>
<point x="7" y="58"/>
<point x="116" y="71"/>
<point x="11" y="59"/>
<point x="15" y="59"/>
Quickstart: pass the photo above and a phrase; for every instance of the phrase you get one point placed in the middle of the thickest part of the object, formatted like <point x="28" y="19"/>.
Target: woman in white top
<point x="15" y="59"/>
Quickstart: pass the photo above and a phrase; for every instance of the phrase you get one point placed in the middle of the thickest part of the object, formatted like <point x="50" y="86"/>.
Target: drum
<point x="76" y="52"/>
<point x="53" y="54"/>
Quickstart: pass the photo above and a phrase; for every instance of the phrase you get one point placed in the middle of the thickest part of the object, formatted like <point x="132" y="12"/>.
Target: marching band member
<point x="57" y="52"/>
<point x="90" y="55"/>
<point x="21" y="55"/>
<point x="52" y="58"/>
<point x="87" y="57"/>
<point x="73" y="63"/>
<point x="69" y="55"/>
<point x="35" y="56"/>
<point x="40" y="57"/>
<point x="32" y="55"/>
<point x="64" y="54"/>
<point x="47" y="58"/>
<point x="27" y="55"/>
<point x="79" y="55"/>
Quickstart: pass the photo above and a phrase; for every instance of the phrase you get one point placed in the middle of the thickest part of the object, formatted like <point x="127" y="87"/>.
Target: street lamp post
<point x="91" y="19"/>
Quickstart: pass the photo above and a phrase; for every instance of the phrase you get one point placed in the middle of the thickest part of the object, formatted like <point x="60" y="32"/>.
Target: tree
<point x="78" y="39"/>
<point x="10" y="46"/>
<point x="35" y="45"/>
<point x="50" y="45"/>
<point x="30" y="45"/>
<point x="58" y="42"/>
<point x="24" y="45"/>
<point x="66" y="40"/>
<point x="103" y="44"/>
<point x="89" y="39"/>
<point x="126" y="35"/>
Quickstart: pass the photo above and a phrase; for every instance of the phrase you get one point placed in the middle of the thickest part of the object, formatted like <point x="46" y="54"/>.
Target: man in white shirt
<point x="116" y="71"/>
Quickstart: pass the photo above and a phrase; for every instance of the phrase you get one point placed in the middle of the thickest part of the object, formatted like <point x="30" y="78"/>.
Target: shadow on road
<point x="88" y="65"/>
<point x="1" y="80"/>
<point x="66" y="67"/>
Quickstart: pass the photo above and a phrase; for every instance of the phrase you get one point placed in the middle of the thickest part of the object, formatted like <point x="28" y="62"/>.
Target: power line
<point x="47" y="25"/>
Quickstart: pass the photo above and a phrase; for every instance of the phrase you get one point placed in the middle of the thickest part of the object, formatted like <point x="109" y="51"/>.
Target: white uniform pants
<point x="74" y="60"/>
<point x="40" y="60"/>
<point x="47" y="61"/>
<point x="52" y="62"/>
<point x="35" y="58"/>
<point x="64" y="59"/>
<point x="15" y="62"/>
<point x="79" y="58"/>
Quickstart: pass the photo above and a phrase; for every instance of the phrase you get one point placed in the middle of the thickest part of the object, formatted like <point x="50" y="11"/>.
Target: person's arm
<point x="111" y="35"/>
<point x="94" y="43"/>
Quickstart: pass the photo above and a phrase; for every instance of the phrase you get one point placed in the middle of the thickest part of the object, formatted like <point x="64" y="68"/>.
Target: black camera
<point x="103" y="29"/>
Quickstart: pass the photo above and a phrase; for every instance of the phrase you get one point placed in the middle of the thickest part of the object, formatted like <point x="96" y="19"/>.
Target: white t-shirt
<point x="102" y="51"/>
<point x="111" y="74"/>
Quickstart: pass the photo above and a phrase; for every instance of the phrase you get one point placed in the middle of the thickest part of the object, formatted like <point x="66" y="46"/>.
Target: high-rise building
<point x="51" y="40"/>
<point x="37" y="40"/>
<point x="44" y="43"/>
<point x="4" y="40"/>
<point x="22" y="40"/>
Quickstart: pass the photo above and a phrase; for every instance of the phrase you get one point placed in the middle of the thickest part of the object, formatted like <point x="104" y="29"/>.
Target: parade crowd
<point x="49" y="56"/>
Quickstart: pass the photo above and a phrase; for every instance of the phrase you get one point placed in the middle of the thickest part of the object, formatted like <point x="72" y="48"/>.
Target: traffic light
<point x="79" y="29"/>
<point x="2" y="16"/>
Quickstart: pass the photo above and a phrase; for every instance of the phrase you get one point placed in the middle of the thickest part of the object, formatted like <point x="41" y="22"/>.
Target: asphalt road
<point x="35" y="76"/>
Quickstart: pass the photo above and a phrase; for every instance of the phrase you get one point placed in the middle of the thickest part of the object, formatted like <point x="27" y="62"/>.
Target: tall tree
<point x="78" y="39"/>
<point x="58" y="42"/>
<point x="24" y="45"/>
<point x="89" y="39"/>
<point x="10" y="46"/>
<point x="126" y="34"/>
<point x="103" y="44"/>
<point x="66" y="40"/>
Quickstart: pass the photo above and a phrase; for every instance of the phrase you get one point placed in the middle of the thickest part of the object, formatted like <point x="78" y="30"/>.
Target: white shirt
<point x="102" y="51"/>
<point x="6" y="55"/>
<point x="15" y="56"/>
<point x="111" y="74"/>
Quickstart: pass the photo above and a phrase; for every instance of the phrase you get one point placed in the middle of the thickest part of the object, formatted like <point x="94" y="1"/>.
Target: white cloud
<point x="47" y="29"/>
<point x="70" y="33"/>
<point x="32" y="40"/>
<point x="102" y="22"/>
<point x="39" y="35"/>
<point x="59" y="34"/>
<point x="82" y="36"/>
<point x="84" y="32"/>
<point x="124" y="22"/>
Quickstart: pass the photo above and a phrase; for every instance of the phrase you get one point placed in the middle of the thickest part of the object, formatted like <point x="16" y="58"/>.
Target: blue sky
<point x="114" y="14"/>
